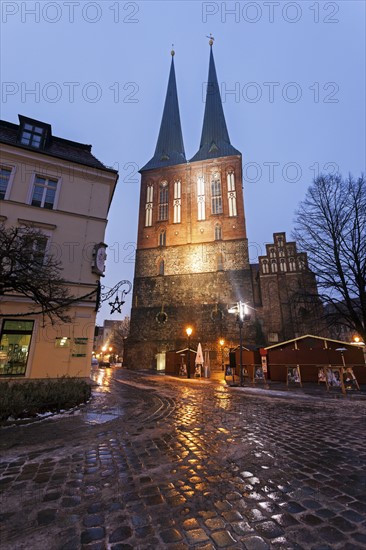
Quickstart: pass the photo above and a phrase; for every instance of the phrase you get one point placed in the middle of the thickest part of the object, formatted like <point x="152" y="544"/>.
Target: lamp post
<point x="189" y="332"/>
<point x="222" y="342"/>
<point x="241" y="324"/>
<point x="241" y="309"/>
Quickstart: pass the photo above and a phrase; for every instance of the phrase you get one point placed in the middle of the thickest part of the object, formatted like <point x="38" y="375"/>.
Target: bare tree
<point x="119" y="335"/>
<point x="27" y="270"/>
<point x="331" y="227"/>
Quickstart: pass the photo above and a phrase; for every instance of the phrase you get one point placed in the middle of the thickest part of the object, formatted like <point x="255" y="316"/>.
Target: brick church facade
<point x="192" y="260"/>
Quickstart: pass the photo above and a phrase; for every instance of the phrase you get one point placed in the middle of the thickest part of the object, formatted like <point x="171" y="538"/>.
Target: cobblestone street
<point x="155" y="463"/>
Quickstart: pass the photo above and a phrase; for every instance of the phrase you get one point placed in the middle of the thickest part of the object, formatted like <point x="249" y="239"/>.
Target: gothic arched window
<point x="218" y="232"/>
<point x="163" y="200"/>
<point x="274" y="266"/>
<point x="265" y="266"/>
<point x="283" y="266"/>
<point x="161" y="267"/>
<point x="216" y="196"/>
<point x="220" y="262"/>
<point x="162" y="238"/>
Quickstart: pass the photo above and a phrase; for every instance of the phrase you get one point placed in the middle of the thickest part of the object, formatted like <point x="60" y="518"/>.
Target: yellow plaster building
<point x="59" y="188"/>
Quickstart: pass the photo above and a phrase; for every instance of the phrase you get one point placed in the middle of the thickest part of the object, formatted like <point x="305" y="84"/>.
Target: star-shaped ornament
<point x="116" y="305"/>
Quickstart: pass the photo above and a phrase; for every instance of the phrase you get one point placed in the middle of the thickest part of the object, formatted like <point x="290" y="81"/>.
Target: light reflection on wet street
<point x="155" y="463"/>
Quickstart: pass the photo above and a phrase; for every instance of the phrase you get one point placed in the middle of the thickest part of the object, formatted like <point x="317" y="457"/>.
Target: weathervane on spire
<point x="211" y="41"/>
<point x="172" y="52"/>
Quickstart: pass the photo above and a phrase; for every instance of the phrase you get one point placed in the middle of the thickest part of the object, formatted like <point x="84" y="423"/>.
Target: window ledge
<point x="40" y="225"/>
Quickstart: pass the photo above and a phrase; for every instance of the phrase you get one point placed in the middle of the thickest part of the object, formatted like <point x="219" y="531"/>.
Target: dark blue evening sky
<point x="292" y="78"/>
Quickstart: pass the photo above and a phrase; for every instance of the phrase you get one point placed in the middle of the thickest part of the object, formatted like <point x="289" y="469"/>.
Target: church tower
<point x="192" y="249"/>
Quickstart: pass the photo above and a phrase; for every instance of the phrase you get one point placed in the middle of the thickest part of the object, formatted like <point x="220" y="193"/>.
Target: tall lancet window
<point x="161" y="267"/>
<point x="216" y="197"/>
<point x="162" y="238"/>
<point x="163" y="201"/>
<point x="177" y="201"/>
<point x="149" y="206"/>
<point x="231" y="194"/>
<point x="218" y="232"/>
<point x="201" y="198"/>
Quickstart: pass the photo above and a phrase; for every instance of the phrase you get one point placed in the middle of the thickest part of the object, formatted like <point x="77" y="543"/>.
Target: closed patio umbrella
<point x="199" y="360"/>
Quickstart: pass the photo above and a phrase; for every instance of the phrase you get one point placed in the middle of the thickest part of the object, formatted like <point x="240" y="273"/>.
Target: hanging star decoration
<point x="116" y="305"/>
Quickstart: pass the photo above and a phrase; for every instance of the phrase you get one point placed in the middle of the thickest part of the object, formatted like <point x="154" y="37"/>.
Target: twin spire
<point x="215" y="141"/>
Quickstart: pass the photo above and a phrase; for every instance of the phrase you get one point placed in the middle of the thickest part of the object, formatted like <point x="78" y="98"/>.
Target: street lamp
<point x="222" y="342"/>
<point x="242" y="311"/>
<point x="189" y="331"/>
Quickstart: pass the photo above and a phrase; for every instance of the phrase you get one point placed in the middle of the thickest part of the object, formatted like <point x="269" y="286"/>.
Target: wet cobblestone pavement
<point x="155" y="463"/>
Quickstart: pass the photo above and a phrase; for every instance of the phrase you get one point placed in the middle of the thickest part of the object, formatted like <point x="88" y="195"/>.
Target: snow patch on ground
<point x="136" y="384"/>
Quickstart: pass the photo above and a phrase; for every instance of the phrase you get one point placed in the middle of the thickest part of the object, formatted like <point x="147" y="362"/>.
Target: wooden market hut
<point x="312" y="352"/>
<point x="175" y="360"/>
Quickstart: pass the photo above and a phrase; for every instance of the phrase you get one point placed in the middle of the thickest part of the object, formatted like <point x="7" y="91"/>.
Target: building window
<point x="79" y="348"/>
<point x="292" y="264"/>
<point x="5" y="174"/>
<point x="216" y="197"/>
<point x="44" y="192"/>
<point x="274" y="266"/>
<point x="272" y="253"/>
<point x="218" y="232"/>
<point x="161" y="267"/>
<point x="32" y="135"/>
<point x="177" y="201"/>
<point x="201" y="198"/>
<point x="149" y="206"/>
<point x="265" y="266"/>
<point x="14" y="347"/>
<point x="34" y="249"/>
<point x="283" y="266"/>
<point x="220" y="262"/>
<point x="281" y="252"/>
<point x="231" y="195"/>
<point x="162" y="238"/>
<point x="163" y="201"/>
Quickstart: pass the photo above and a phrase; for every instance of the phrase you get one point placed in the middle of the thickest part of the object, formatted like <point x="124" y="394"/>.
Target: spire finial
<point x="211" y="41"/>
<point x="172" y="52"/>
